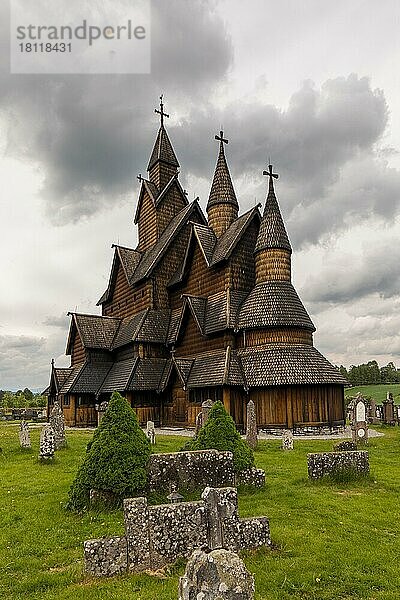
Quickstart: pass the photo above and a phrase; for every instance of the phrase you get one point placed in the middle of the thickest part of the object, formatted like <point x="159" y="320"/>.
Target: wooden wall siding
<point x="161" y="173"/>
<point x="201" y="281"/>
<point x="286" y="335"/>
<point x="220" y="217"/>
<point x="69" y="411"/>
<point x="147" y="223"/>
<point x="78" y="353"/>
<point x="297" y="405"/>
<point x="273" y="265"/>
<point x="170" y="206"/>
<point x="168" y="267"/>
<point x="125" y="300"/>
<point x="192" y="342"/>
<point x="241" y="265"/>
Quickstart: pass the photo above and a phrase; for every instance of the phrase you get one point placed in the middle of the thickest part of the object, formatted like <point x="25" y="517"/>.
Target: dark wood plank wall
<point x="192" y="342"/>
<point x="127" y="301"/>
<point x="170" y="206"/>
<point x="286" y="335"/>
<point x="303" y="404"/>
<point x="273" y="264"/>
<point x="147" y="223"/>
<point x="78" y="353"/>
<point x="168" y="267"/>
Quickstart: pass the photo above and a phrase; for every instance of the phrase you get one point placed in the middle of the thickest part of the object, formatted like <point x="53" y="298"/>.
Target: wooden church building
<point x="203" y="307"/>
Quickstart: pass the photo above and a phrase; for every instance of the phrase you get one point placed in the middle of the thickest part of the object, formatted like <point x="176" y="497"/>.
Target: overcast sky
<point x="314" y="85"/>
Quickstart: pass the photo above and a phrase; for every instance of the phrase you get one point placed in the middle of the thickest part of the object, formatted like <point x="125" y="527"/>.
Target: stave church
<point x="203" y="307"/>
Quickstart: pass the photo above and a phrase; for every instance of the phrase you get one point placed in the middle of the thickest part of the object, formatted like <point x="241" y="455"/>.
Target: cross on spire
<point x="271" y="176"/>
<point x="221" y="138"/>
<point x="140" y="177"/>
<point x="161" y="111"/>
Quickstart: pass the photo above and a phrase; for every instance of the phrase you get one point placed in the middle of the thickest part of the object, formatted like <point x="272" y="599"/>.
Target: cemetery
<point x="178" y="539"/>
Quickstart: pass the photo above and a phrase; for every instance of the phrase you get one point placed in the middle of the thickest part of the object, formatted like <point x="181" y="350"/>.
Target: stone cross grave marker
<point x="57" y="422"/>
<point x="221" y="575"/>
<point x="24" y="435"/>
<point x="47" y="443"/>
<point x="251" y="425"/>
<point x="287" y="440"/>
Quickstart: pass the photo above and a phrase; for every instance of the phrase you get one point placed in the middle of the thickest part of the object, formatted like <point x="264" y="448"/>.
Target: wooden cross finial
<point x="270" y="174"/>
<point x="161" y="111"/>
<point x="221" y="138"/>
<point x="140" y="177"/>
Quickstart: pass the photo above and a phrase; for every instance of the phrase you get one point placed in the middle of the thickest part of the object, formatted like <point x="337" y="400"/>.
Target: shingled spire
<point x="273" y="249"/>
<point x="163" y="163"/>
<point x="222" y="207"/>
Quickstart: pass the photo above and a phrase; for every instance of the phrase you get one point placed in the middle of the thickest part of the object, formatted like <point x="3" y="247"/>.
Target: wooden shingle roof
<point x="228" y="241"/>
<point x="148" y="374"/>
<point x="70" y="380"/>
<point x="95" y="331"/>
<point x="119" y="375"/>
<point x="273" y="304"/>
<point x="129" y="259"/>
<point x="162" y="150"/>
<point x="287" y="365"/>
<point x="222" y="190"/>
<point x="90" y="378"/>
<point x="219" y="367"/>
<point x="272" y="232"/>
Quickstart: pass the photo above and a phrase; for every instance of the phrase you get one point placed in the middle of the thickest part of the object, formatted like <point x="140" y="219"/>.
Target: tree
<point x="116" y="458"/>
<point x="220" y="433"/>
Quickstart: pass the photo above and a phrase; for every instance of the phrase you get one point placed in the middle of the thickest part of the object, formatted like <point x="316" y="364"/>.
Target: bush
<point x="116" y="458"/>
<point x="220" y="433"/>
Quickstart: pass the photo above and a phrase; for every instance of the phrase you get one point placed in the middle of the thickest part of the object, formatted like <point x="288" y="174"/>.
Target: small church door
<point x="180" y="405"/>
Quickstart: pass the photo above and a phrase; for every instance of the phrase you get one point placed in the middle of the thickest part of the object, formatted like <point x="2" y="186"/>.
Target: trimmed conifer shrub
<point x="220" y="433"/>
<point x="116" y="458"/>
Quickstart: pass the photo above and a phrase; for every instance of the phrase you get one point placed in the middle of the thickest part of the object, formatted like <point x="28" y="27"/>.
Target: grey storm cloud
<point x="53" y="321"/>
<point x="377" y="271"/>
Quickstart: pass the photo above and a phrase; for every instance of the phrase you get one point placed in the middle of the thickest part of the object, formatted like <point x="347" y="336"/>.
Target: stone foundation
<point x="156" y="536"/>
<point x="336" y="463"/>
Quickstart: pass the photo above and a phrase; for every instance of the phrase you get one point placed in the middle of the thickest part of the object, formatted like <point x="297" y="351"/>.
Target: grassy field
<point x="331" y="541"/>
<point x="378" y="392"/>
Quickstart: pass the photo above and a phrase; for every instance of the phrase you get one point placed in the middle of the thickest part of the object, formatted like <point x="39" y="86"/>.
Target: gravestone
<point x="101" y="409"/>
<point x="57" y="422"/>
<point x="373" y="413"/>
<point x="221" y="575"/>
<point x="205" y="409"/>
<point x="388" y="409"/>
<point x="287" y="440"/>
<point x="150" y="432"/>
<point x="199" y="424"/>
<point x="359" y="425"/>
<point x="251" y="425"/>
<point x="24" y="436"/>
<point x="47" y="443"/>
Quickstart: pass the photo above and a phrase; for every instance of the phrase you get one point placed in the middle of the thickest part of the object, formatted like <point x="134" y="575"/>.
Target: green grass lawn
<point x="331" y="541"/>
<point x="378" y="392"/>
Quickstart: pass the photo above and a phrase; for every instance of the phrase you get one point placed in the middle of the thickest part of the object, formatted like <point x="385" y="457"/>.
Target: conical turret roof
<point x="163" y="150"/>
<point x="272" y="233"/>
<point x="222" y="191"/>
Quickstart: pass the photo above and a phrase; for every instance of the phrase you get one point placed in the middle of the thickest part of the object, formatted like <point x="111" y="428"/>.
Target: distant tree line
<point x="370" y="373"/>
<point x="21" y="399"/>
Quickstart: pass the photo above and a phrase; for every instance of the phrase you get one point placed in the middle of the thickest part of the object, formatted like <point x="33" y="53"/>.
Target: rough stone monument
<point x="287" y="440"/>
<point x="251" y="425"/>
<point x="205" y="409"/>
<point x="155" y="536"/>
<point x="359" y="424"/>
<point x="57" y="422"/>
<point x="24" y="435"/>
<point x="221" y="575"/>
<point x="373" y="413"/>
<point x="199" y="423"/>
<point x="47" y="443"/>
<point x="150" y="432"/>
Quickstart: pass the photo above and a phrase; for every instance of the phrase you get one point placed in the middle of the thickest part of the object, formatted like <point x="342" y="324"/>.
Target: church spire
<point x="163" y="163"/>
<point x="222" y="207"/>
<point x="273" y="249"/>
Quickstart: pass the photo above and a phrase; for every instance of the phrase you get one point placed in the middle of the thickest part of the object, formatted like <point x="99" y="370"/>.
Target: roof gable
<point x="128" y="259"/>
<point x="95" y="331"/>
